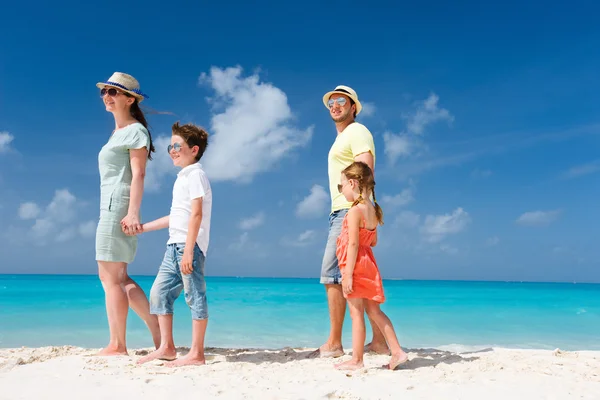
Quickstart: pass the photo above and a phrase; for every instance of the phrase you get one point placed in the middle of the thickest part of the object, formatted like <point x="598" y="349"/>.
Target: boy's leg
<point x="194" y="288"/>
<point x="165" y="290"/>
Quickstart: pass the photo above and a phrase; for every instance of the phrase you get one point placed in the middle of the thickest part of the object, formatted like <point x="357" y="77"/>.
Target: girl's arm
<point x="157" y="224"/>
<point x="374" y="241"/>
<point x="138" y="157"/>
<point x="353" y="238"/>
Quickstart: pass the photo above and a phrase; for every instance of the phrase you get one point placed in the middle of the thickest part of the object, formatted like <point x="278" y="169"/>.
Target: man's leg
<point x="332" y="279"/>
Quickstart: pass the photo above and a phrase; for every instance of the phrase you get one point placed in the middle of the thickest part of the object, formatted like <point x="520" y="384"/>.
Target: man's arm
<point x="367" y="158"/>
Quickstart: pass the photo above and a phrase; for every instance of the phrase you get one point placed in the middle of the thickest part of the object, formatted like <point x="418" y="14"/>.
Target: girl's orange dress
<point x="366" y="280"/>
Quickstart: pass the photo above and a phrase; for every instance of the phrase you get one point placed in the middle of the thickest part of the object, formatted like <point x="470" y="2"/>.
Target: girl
<point x="122" y="165"/>
<point x="361" y="282"/>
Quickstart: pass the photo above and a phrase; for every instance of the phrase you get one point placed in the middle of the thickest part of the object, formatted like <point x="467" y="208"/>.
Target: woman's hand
<point x="131" y="225"/>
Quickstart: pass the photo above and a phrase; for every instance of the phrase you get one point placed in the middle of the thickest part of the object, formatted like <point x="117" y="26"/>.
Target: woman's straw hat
<point x="126" y="83"/>
<point x="346" y="90"/>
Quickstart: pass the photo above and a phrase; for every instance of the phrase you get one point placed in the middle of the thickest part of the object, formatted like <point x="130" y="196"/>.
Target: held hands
<point x="131" y="225"/>
<point x="347" y="284"/>
<point x="186" y="262"/>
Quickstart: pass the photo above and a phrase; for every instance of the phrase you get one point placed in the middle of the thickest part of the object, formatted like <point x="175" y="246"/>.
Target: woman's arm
<point x="138" y="158"/>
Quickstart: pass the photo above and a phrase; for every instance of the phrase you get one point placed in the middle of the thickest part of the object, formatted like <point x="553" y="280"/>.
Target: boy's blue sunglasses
<point x="176" y="147"/>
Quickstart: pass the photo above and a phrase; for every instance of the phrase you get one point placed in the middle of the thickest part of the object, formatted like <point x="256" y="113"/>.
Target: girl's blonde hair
<point x="362" y="173"/>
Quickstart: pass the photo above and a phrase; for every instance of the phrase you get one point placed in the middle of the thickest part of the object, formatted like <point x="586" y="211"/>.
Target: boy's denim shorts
<point x="170" y="281"/>
<point x="330" y="269"/>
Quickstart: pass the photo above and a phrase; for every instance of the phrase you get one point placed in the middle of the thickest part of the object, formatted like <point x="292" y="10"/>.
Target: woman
<point x="122" y="165"/>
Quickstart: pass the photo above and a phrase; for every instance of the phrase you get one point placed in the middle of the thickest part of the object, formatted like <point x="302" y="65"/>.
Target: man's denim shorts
<point x="330" y="269"/>
<point x="170" y="281"/>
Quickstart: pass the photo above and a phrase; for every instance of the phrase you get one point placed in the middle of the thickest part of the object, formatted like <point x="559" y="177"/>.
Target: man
<point x="354" y="142"/>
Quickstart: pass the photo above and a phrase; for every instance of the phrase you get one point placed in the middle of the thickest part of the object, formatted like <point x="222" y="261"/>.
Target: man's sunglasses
<point x="340" y="100"/>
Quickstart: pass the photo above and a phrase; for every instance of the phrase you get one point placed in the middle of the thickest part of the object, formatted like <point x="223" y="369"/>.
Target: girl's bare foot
<point x="187" y="360"/>
<point x="397" y="359"/>
<point x="350" y="365"/>
<point x="112" y="351"/>
<point x="168" y="354"/>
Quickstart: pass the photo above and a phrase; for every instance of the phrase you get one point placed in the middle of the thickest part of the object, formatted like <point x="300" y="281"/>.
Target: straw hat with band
<point x="126" y="83"/>
<point x="346" y="90"/>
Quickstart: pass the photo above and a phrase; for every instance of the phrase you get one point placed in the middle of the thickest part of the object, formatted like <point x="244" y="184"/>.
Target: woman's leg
<point x="385" y="324"/>
<point x="357" y="312"/>
<point x="140" y="305"/>
<point x="113" y="276"/>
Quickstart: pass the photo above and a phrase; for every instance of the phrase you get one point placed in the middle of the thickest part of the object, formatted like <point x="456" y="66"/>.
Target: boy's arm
<point x="192" y="235"/>
<point x="157" y="224"/>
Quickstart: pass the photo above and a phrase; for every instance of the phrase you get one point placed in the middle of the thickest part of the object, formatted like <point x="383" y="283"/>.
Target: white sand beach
<point x="65" y="373"/>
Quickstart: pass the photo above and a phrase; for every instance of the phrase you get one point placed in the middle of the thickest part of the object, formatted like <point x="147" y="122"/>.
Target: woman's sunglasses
<point x="112" y="92"/>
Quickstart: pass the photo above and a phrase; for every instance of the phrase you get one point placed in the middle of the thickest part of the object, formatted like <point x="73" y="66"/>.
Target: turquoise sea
<point x="44" y="310"/>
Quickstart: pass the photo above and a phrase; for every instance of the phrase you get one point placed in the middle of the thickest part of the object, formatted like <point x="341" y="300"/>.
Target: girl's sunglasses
<point x="340" y="100"/>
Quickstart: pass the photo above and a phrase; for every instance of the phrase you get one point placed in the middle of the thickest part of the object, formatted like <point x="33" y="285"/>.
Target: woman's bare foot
<point x="187" y="360"/>
<point x="112" y="351"/>
<point x="167" y="354"/>
<point x="397" y="359"/>
<point x="379" y="348"/>
<point x="350" y="365"/>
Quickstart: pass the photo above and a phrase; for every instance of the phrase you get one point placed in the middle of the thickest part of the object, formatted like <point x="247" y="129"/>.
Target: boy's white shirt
<point x="191" y="183"/>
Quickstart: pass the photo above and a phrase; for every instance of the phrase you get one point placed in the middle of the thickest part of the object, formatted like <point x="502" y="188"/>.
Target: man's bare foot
<point x="168" y="354"/>
<point x="379" y="348"/>
<point x="112" y="351"/>
<point x="187" y="360"/>
<point x="327" y="352"/>
<point x="350" y="365"/>
<point x="397" y="359"/>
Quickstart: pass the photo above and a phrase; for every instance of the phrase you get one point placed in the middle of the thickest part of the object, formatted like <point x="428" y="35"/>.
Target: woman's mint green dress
<point x="115" y="186"/>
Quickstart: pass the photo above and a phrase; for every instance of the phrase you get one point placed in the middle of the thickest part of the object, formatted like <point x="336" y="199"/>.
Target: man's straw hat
<point x="348" y="91"/>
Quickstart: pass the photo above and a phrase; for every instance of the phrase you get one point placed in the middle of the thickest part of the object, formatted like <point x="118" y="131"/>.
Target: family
<point x="349" y="270"/>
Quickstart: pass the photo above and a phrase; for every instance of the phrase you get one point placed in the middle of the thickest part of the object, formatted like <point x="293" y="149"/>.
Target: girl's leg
<point x="113" y="276"/>
<point x="139" y="303"/>
<point x="357" y="312"/>
<point x="384" y="323"/>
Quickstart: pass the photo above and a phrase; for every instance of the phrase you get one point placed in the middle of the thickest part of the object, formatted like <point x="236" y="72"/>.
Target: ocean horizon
<point x="65" y="309"/>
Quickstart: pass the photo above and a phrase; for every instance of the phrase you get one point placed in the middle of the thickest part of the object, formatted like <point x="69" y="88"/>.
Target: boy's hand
<point x="347" y="284"/>
<point x="186" y="262"/>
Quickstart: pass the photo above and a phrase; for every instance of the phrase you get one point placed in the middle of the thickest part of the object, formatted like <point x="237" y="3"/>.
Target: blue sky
<point x="485" y="118"/>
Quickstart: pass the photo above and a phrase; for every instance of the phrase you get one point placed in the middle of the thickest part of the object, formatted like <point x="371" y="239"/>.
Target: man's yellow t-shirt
<point x="352" y="141"/>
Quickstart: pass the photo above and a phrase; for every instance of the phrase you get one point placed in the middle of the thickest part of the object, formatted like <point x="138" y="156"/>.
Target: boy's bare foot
<point x="350" y="365"/>
<point x="397" y="359"/>
<point x="112" y="351"/>
<point x="187" y="360"/>
<point x="167" y="354"/>
<point x="379" y="348"/>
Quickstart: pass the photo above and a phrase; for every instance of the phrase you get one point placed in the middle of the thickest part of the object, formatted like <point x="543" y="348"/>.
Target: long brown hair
<point x="138" y="114"/>
<point x="362" y="173"/>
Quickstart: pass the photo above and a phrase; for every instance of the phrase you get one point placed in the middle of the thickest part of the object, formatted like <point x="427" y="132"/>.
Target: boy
<point x="183" y="263"/>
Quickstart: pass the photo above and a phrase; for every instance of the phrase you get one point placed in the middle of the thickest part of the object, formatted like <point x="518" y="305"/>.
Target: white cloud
<point x="240" y="242"/>
<point x="87" y="229"/>
<point x="368" y="109"/>
<point x="493" y="241"/>
<point x="5" y="140"/>
<point x="446" y="248"/>
<point x="303" y="239"/>
<point x="253" y="132"/>
<point x="401" y="199"/>
<point x="408" y="219"/>
<point x="29" y="210"/>
<point x="481" y="173"/>
<point x="538" y="218"/>
<point x="436" y="227"/>
<point x="315" y="204"/>
<point x="252" y="222"/>
<point x="396" y="146"/>
<point x="58" y="220"/>
<point x="580" y="170"/>
<point x="160" y="166"/>
<point x="427" y="113"/>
